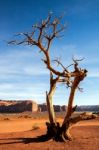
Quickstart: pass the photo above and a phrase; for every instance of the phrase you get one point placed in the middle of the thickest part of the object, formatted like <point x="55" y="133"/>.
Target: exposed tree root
<point x="57" y="133"/>
<point x="62" y="133"/>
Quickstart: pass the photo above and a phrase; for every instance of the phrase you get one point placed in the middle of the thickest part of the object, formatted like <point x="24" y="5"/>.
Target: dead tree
<point x="42" y="35"/>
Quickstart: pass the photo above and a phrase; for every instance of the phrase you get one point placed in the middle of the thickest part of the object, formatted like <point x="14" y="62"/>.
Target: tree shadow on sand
<point x="38" y="139"/>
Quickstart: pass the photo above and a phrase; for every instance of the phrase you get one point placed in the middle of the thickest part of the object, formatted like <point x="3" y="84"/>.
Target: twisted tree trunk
<point x="49" y="99"/>
<point x="66" y="126"/>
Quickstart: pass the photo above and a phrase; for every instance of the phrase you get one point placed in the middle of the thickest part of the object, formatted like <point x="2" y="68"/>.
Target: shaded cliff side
<point x="17" y="106"/>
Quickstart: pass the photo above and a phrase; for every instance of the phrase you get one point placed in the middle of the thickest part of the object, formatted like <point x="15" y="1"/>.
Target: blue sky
<point x="22" y="73"/>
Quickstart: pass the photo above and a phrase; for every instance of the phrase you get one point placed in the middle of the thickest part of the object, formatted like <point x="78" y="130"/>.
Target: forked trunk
<point x="54" y="130"/>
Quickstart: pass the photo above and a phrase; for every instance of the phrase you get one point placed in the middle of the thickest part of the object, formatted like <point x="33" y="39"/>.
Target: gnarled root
<point x="57" y="133"/>
<point x="66" y="136"/>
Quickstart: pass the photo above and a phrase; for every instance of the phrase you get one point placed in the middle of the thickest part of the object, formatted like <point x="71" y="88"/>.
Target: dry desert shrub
<point x="6" y="119"/>
<point x="35" y="127"/>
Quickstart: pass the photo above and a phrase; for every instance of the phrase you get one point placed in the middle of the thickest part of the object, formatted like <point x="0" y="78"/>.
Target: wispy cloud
<point x="21" y="73"/>
<point x="38" y="97"/>
<point x="23" y="91"/>
<point x="21" y="63"/>
<point x="94" y="74"/>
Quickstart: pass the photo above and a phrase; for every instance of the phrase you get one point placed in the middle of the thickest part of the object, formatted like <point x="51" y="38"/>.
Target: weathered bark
<point x="71" y="99"/>
<point x="50" y="107"/>
<point x="49" y="99"/>
<point x="67" y="121"/>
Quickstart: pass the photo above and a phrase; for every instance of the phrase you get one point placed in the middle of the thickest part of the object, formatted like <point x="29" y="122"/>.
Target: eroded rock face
<point x="57" y="108"/>
<point x="17" y="106"/>
<point x="88" y="108"/>
<point x="12" y="106"/>
<point x="63" y="108"/>
<point x="42" y="107"/>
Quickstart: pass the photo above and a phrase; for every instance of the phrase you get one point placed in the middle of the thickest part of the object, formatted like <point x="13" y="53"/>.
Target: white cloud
<point x="37" y="70"/>
<point x="17" y="68"/>
<point x="22" y="91"/>
<point x="94" y="74"/>
<point x="93" y="71"/>
<point x="4" y="86"/>
<point x="38" y="97"/>
<point x="89" y="60"/>
<point x="20" y="63"/>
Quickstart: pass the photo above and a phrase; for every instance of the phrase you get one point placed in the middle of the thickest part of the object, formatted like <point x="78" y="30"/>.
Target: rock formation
<point x="17" y="106"/>
<point x="14" y="106"/>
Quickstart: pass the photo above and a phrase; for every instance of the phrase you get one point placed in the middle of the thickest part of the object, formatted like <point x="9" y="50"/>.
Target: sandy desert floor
<point x="22" y="133"/>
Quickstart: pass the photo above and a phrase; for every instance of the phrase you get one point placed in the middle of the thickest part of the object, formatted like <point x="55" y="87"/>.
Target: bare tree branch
<point x="59" y="63"/>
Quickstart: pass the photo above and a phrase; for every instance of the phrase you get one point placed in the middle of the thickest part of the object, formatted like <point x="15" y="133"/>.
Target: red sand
<point x="17" y="135"/>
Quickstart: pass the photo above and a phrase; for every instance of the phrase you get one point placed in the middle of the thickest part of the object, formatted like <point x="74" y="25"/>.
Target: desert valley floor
<point x="23" y="132"/>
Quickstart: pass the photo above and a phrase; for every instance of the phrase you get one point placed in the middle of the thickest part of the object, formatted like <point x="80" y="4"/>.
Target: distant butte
<point x="18" y="106"/>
